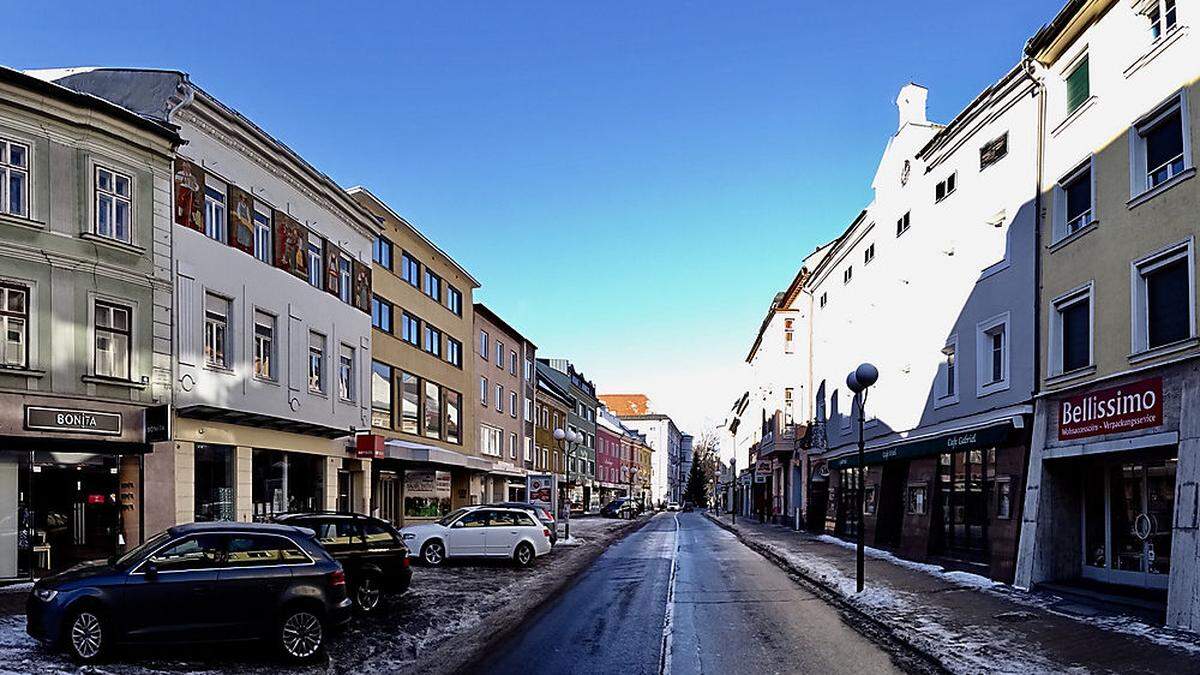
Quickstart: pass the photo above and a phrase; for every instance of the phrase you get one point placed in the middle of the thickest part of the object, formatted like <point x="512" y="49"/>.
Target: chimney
<point x="911" y="103"/>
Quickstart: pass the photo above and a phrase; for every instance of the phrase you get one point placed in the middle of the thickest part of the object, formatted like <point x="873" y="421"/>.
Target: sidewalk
<point x="965" y="622"/>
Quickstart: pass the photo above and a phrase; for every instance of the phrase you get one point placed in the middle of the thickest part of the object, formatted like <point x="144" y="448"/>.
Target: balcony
<point x="780" y="437"/>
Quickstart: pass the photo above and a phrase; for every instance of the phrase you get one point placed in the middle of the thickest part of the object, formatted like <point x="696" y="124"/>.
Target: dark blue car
<point x="197" y="583"/>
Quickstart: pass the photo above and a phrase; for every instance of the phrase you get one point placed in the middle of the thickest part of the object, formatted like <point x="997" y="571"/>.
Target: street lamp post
<point x="633" y="471"/>
<point x="734" y="499"/>
<point x="859" y="380"/>
<point x="570" y="440"/>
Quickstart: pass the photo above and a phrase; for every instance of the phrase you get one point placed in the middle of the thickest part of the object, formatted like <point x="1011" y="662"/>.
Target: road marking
<point x="664" y="662"/>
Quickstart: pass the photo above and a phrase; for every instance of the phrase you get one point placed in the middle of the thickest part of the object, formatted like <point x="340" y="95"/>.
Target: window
<point x="512" y="404"/>
<point x="499" y="354"/>
<point x="410" y="394"/>
<point x="410" y="329"/>
<point x="499" y="398"/>
<point x="1074" y="201"/>
<point x="214" y="213"/>
<point x="512" y="362"/>
<point x="993" y="151"/>
<point x="949" y="372"/>
<point x="528" y="369"/>
<point x="14" y="178"/>
<point x="454" y="300"/>
<point x="944" y="188"/>
<point x="433" y="285"/>
<point x="112" y="340"/>
<point x="528" y="449"/>
<point x="991" y="349"/>
<point x="14" y="326"/>
<point x="197" y="552"/>
<point x="316" y="267"/>
<point x="512" y="445"/>
<point x="316" y="363"/>
<point x="916" y="501"/>
<point x="453" y="416"/>
<point x="1160" y="146"/>
<point x="381" y="395"/>
<point x="114" y="204"/>
<point x="381" y="252"/>
<point x="1079" y="87"/>
<point x="264" y="345"/>
<point x="262" y="234"/>
<point x="869" y="254"/>
<point x="847" y="274"/>
<point x="433" y="410"/>
<point x="1004" y="498"/>
<point x="381" y="314"/>
<point x="789" y="336"/>
<point x="433" y="341"/>
<point x="453" y="352"/>
<point x="1162" y="18"/>
<point x="902" y="223"/>
<point x="483" y="391"/>
<point x="346" y="373"/>
<point x="345" y="285"/>
<point x="528" y="409"/>
<point x="1071" y="331"/>
<point x="483" y="344"/>
<point x="1163" y="298"/>
<point x="410" y="270"/>
<point x="824" y="299"/>
<point x="216" y="331"/>
<point x="255" y="550"/>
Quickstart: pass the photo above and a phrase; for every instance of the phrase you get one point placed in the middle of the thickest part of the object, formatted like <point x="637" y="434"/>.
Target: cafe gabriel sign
<point x="38" y="418"/>
<point x="1137" y="405"/>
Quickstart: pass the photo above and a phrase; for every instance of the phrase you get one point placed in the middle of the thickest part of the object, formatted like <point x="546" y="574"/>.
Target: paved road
<point x="684" y="584"/>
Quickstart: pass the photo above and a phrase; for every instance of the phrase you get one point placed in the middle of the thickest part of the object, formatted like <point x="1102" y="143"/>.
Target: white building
<point x="665" y="438"/>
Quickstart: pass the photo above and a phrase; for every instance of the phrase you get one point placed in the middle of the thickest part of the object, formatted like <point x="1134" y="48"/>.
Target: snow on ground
<point x="442" y="604"/>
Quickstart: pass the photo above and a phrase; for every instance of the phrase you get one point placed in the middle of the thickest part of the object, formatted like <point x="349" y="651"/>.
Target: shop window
<point x="1004" y="498"/>
<point x="14" y="178"/>
<point x="381" y="395"/>
<point x="433" y="410"/>
<point x="112" y="335"/>
<point x="264" y="345"/>
<point x="1164" y="298"/>
<point x="917" y="499"/>
<point x="453" y="416"/>
<point x="1071" y="331"/>
<point x="216" y="331"/>
<point x="410" y="406"/>
<point x="14" y="326"/>
<point x="426" y="494"/>
<point x="316" y="362"/>
<point x="286" y="482"/>
<point x="1160" y="146"/>
<point x="114" y="204"/>
<point x="213" y="468"/>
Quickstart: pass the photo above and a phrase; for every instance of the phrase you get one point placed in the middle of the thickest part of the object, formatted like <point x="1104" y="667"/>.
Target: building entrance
<point x="1128" y="515"/>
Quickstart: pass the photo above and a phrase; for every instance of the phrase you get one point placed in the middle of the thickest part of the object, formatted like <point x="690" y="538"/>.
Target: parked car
<point x="370" y="550"/>
<point x="621" y="507"/>
<point x="199" y="582"/>
<point x="543" y="515"/>
<point x="688" y="507"/>
<point x="672" y="506"/>
<point x="477" y="532"/>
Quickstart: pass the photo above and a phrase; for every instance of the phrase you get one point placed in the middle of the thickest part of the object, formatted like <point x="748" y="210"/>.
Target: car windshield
<point x="134" y="554"/>
<point x="451" y="517"/>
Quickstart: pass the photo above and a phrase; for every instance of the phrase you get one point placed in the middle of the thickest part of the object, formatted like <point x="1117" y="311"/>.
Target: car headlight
<point x="45" y="594"/>
<point x="407" y="536"/>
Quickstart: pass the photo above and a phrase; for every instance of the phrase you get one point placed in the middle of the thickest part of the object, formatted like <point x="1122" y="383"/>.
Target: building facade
<point x="502" y="357"/>
<point x="426" y="460"/>
<point x="1111" y="496"/>
<point x="553" y="405"/>
<point x="85" y="322"/>
<point x="581" y="419"/>
<point x="666" y="442"/>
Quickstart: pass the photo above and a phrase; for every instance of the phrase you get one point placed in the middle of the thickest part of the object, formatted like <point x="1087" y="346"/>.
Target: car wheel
<point x="368" y="593"/>
<point x="524" y="555"/>
<point x="87" y="635"/>
<point x="433" y="553"/>
<point x="301" y="635"/>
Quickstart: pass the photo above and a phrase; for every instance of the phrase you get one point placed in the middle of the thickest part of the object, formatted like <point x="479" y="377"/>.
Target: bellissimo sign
<point x="75" y="421"/>
<point x="1137" y="405"/>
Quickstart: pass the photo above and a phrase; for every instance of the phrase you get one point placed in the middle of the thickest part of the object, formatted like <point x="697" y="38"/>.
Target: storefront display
<point x="426" y="494"/>
<point x="286" y="482"/>
<point x="214" y="483"/>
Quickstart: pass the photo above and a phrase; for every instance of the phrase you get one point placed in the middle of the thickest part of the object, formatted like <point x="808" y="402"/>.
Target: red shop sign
<point x="1137" y="405"/>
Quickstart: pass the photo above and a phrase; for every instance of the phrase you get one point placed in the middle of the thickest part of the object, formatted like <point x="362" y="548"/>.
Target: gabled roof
<point x="483" y="310"/>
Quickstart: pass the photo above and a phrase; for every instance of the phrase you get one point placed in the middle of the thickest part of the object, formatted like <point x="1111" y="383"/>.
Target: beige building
<point x="503" y="362"/>
<point x="424" y="444"/>
<point x="1111" y="497"/>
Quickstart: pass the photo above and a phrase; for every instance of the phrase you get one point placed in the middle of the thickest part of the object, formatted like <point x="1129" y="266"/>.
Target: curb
<point x="914" y="658"/>
<point x="453" y="657"/>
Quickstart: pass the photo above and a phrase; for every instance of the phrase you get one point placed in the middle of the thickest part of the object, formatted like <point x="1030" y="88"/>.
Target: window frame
<point x="453" y="352"/>
<point x="115" y="198"/>
<point x="381" y="303"/>
<point x="429" y="330"/>
<point x="321" y="384"/>
<point x="376" y="367"/>
<point x="7" y="169"/>
<point x="1139" y="310"/>
<point x="25" y="317"/>
<point x="1061" y="228"/>
<point x="216" y="211"/>
<point x="1139" y="172"/>
<point x="226" y="326"/>
<point x="127" y="332"/>
<point x="454" y="299"/>
<point x="267" y="255"/>
<point x="868" y="254"/>
<point x="378" y="246"/>
<point x="417" y="336"/>
<point x="949" y="389"/>
<point x="903" y="223"/>
<point x="429" y="280"/>
<point x="347" y="392"/>
<point x="1081" y="60"/>
<point x="1055" y="353"/>
<point x="946" y="187"/>
<point x="272" y="374"/>
<point x="410" y="265"/>
<point x="985" y="351"/>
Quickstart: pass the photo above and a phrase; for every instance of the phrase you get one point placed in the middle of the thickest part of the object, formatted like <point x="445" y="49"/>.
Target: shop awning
<point x="506" y="470"/>
<point x="89" y="445"/>
<point x="409" y="451"/>
<point x="250" y="419"/>
<point x="987" y="436"/>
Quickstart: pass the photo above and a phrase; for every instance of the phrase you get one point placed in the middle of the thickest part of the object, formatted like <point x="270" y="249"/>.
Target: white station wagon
<point x="480" y="532"/>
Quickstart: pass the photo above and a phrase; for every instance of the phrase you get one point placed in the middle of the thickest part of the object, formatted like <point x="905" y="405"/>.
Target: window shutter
<point x="1078" y="86"/>
<point x="241" y="220"/>
<point x="189" y="195"/>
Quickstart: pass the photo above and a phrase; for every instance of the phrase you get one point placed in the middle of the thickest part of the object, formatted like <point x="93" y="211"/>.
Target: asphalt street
<point x="682" y="595"/>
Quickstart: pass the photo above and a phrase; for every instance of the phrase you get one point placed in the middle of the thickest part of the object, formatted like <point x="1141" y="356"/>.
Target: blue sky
<point x="630" y="181"/>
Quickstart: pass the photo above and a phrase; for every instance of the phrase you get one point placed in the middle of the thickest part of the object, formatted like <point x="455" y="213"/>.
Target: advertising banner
<point x="1128" y="407"/>
<point x="541" y="491"/>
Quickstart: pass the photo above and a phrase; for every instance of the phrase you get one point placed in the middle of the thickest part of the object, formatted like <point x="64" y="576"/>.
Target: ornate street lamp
<point x="860" y="380"/>
<point x="570" y="440"/>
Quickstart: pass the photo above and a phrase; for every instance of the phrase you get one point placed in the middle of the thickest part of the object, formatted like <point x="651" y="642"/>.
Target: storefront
<point x="70" y="482"/>
<point x="1114" y="474"/>
<point x="949" y="499"/>
<point x="416" y="483"/>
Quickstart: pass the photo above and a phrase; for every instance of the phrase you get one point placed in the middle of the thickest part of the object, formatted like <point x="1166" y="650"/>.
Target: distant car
<point x="478" y="532"/>
<point x="672" y="506"/>
<point x="688" y="507"/>
<point x="199" y="582"/>
<point x="621" y="507"/>
<point x="543" y="515"/>
<point x="370" y="550"/>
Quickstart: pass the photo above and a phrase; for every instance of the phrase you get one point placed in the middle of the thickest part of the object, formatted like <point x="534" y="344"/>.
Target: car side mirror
<point x="457" y="523"/>
<point x="150" y="571"/>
